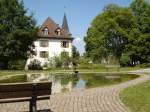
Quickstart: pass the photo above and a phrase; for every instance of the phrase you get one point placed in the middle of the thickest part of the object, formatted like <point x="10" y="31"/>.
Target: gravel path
<point x="102" y="99"/>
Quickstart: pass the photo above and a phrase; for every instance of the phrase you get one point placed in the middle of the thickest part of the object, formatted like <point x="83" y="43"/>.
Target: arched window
<point x="45" y="31"/>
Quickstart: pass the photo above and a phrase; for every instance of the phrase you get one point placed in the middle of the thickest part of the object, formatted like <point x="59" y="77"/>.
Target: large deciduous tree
<point x="109" y="32"/>
<point x="121" y="32"/>
<point x="139" y="43"/>
<point x="17" y="31"/>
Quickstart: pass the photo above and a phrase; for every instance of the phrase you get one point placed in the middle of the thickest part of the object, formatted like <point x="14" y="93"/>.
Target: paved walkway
<point x="103" y="99"/>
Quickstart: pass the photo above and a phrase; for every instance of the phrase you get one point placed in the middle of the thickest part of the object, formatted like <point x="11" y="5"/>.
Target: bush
<point x="57" y="62"/>
<point x="35" y="65"/>
<point x="84" y="66"/>
<point x="86" y="63"/>
<point x="84" y="60"/>
<point x="66" y="59"/>
<point x="125" y="60"/>
<point x="145" y="65"/>
<point x="2" y="65"/>
<point x="113" y="60"/>
<point x="91" y="66"/>
<point x="16" y="64"/>
<point x="62" y="61"/>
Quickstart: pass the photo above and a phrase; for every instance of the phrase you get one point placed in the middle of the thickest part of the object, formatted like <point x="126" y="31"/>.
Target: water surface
<point x="71" y="82"/>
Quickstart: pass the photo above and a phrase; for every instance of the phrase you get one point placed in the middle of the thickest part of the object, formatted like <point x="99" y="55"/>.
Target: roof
<point x="52" y="28"/>
<point x="57" y="38"/>
<point x="65" y="24"/>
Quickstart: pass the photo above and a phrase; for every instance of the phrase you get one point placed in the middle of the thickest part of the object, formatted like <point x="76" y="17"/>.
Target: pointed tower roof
<point x="65" y="24"/>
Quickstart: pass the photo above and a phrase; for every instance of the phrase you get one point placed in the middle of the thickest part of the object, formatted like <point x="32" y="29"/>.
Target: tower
<point x="65" y="24"/>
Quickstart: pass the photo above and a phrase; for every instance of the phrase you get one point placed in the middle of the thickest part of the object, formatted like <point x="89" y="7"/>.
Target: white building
<point x="52" y="41"/>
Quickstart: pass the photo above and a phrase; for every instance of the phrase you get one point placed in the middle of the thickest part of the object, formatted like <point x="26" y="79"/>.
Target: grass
<point x="13" y="72"/>
<point x="137" y="98"/>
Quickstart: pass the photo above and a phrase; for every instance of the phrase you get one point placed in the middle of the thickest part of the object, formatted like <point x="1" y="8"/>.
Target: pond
<point x="70" y="82"/>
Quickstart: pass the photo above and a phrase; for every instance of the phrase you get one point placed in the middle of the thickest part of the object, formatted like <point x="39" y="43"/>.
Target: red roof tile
<point x="52" y="27"/>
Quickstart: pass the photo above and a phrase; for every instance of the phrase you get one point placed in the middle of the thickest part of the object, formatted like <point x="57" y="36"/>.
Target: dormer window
<point x="45" y="31"/>
<point x="58" y="31"/>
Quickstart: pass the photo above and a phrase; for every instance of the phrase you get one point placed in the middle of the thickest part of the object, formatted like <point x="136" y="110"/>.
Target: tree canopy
<point x="17" y="31"/>
<point x="139" y="41"/>
<point x="75" y="53"/>
<point x="123" y="32"/>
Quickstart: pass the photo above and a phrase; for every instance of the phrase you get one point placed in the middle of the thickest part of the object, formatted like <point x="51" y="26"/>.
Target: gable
<point x="51" y="29"/>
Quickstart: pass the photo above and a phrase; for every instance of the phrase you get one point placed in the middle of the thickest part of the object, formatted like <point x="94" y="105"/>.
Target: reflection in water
<point x="80" y="85"/>
<point x="71" y="82"/>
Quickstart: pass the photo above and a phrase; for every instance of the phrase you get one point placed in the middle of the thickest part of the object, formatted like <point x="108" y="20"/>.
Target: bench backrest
<point x="25" y="90"/>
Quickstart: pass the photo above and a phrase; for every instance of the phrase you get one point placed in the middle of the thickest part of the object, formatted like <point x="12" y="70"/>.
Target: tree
<point x="17" y="31"/>
<point x="139" y="41"/>
<point x="75" y="57"/>
<point x="141" y="10"/>
<point x="75" y="53"/>
<point x="109" y="33"/>
<point x="121" y="32"/>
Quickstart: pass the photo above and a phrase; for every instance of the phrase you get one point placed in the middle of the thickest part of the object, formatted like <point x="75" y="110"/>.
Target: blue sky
<point x="79" y="13"/>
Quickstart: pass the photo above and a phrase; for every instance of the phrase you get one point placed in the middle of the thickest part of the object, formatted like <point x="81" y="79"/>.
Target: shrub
<point x="66" y="59"/>
<point x="2" y="65"/>
<point x="91" y="66"/>
<point x="84" y="66"/>
<point x="113" y="60"/>
<point x="16" y="64"/>
<point x="84" y="60"/>
<point x="62" y="61"/>
<point x="145" y="65"/>
<point x="86" y="63"/>
<point x="35" y="65"/>
<point x="125" y="60"/>
<point x="57" y="62"/>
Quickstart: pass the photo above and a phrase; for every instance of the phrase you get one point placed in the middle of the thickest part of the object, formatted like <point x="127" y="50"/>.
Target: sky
<point x="80" y="14"/>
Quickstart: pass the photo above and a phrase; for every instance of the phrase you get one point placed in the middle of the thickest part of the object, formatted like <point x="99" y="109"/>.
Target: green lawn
<point x="137" y="98"/>
<point x="13" y="72"/>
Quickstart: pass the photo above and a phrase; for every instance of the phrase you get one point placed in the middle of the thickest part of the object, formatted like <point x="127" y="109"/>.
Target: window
<point x="44" y="54"/>
<point x="65" y="44"/>
<point x="45" y="31"/>
<point x="43" y="43"/>
<point x="58" y="31"/>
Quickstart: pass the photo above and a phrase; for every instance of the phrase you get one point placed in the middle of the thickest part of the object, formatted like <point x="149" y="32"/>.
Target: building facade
<point x="52" y="41"/>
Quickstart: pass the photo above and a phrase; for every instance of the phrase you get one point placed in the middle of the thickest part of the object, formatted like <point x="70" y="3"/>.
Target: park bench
<point x="21" y="92"/>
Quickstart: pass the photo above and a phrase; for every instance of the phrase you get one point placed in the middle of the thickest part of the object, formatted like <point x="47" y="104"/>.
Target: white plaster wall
<point x="54" y="48"/>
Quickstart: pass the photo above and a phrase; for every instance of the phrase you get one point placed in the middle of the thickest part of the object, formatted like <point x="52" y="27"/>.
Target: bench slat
<point x="23" y="99"/>
<point x="25" y="90"/>
<point x="21" y="94"/>
<point x="24" y="87"/>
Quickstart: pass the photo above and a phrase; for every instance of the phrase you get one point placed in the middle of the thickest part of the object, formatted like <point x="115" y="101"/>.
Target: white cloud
<point x="79" y="43"/>
<point x="78" y="39"/>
